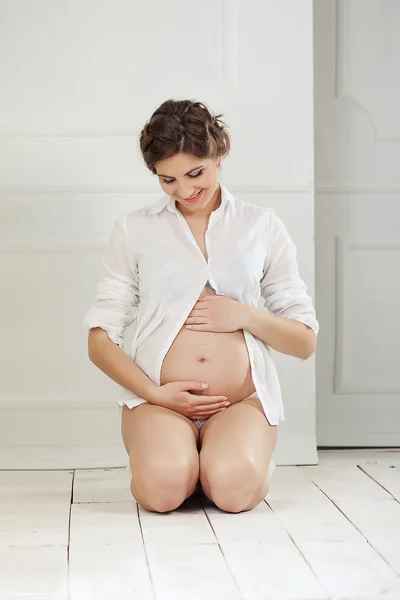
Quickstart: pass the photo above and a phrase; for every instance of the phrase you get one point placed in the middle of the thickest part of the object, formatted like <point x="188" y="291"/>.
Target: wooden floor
<point x="326" y="531"/>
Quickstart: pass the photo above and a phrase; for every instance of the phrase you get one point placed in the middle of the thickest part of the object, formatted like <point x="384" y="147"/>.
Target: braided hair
<point x="183" y="126"/>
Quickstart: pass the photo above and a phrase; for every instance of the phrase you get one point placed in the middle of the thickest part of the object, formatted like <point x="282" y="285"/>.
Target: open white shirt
<point x="155" y="272"/>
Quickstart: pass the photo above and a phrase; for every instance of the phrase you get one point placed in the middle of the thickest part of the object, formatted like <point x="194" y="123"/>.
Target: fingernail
<point x="226" y="403"/>
<point x="204" y="385"/>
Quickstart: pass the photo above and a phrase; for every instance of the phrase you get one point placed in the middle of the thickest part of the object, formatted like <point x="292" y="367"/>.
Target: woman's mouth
<point x="195" y="198"/>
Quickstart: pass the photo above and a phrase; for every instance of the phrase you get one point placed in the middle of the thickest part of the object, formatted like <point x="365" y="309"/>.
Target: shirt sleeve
<point x="116" y="297"/>
<point x="282" y="288"/>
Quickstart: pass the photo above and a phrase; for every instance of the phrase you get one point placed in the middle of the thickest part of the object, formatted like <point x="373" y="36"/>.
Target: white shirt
<point x="155" y="272"/>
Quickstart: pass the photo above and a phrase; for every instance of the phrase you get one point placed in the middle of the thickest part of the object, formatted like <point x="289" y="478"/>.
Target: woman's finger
<point x="197" y="312"/>
<point x="205" y="400"/>
<point x="206" y="408"/>
<point x="196" y="321"/>
<point x="200" y="304"/>
<point x="206" y="414"/>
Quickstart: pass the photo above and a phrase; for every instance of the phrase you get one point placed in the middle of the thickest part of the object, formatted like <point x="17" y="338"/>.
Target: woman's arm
<point x="221" y="314"/>
<point x="116" y="297"/>
<point x="284" y="335"/>
<point x="290" y="325"/>
<point x="115" y="363"/>
<point x="112" y="311"/>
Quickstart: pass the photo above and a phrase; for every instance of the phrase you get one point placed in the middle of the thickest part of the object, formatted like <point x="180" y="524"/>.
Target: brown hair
<point x="183" y="126"/>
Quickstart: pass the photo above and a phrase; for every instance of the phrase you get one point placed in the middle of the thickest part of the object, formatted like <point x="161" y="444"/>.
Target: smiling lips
<point x="195" y="198"/>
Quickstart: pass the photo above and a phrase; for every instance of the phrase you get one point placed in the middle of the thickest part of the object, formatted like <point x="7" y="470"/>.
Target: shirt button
<point x="254" y="363"/>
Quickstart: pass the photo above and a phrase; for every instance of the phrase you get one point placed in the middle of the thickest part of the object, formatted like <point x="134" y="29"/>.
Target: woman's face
<point x="189" y="180"/>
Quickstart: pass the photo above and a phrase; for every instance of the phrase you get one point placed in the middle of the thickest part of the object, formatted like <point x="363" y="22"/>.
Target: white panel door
<point x="79" y="80"/>
<point x="357" y="129"/>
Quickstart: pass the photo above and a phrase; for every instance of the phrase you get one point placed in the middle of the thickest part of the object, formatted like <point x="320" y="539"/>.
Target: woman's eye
<point x="191" y="176"/>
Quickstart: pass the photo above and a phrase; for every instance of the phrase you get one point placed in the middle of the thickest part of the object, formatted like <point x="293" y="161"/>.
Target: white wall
<point x="79" y="79"/>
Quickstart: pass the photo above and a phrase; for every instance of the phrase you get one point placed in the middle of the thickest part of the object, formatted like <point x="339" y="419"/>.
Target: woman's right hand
<point x="176" y="396"/>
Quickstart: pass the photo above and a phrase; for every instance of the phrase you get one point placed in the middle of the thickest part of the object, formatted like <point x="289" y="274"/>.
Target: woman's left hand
<point x="216" y="313"/>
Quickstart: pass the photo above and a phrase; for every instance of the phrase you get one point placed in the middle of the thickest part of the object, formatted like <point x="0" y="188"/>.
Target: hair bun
<point x="178" y="126"/>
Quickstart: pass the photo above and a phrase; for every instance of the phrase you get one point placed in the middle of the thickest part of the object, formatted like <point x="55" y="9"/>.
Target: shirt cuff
<point x="112" y="334"/>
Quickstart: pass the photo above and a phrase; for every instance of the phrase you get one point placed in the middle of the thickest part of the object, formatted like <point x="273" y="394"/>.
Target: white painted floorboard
<point x="330" y="531"/>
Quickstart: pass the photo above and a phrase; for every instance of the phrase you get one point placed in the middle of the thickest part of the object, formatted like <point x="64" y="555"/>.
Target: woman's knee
<point x="161" y="487"/>
<point x="164" y="459"/>
<point x="233" y="487"/>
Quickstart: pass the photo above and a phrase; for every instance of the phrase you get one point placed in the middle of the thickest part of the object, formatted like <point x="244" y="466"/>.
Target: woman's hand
<point x="216" y="313"/>
<point x="176" y="396"/>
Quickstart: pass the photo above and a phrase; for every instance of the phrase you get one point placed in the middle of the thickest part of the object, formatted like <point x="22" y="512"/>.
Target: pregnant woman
<point x="202" y="401"/>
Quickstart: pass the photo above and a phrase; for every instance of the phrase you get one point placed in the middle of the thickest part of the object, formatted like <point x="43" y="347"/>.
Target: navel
<point x="202" y="359"/>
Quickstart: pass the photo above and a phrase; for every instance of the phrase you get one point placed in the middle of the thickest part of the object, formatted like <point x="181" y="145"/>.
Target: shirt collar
<point x="227" y="200"/>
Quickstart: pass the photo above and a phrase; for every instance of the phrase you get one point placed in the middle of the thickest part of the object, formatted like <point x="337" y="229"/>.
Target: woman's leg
<point x="236" y="449"/>
<point x="163" y="454"/>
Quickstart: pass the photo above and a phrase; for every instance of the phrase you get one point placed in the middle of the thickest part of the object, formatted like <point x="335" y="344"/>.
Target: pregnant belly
<point x="219" y="359"/>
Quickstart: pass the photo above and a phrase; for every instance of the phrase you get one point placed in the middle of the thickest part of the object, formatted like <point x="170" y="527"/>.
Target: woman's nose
<point x="185" y="191"/>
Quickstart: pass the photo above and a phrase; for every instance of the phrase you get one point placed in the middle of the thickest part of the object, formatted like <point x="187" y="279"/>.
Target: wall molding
<point x="230" y="52"/>
<point x="56" y="401"/>
<point x="235" y="188"/>
<point x="64" y="134"/>
<point x="340" y="385"/>
<point x="356" y="189"/>
<point x="50" y="247"/>
<point x="149" y="189"/>
<point x="341" y="41"/>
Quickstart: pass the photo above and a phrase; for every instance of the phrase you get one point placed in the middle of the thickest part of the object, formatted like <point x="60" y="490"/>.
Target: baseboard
<point x="64" y="437"/>
<point x="29" y="458"/>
